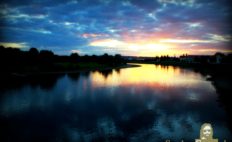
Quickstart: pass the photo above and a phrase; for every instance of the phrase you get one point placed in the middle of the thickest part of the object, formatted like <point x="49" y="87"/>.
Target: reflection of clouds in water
<point x="136" y="111"/>
<point x="23" y="100"/>
<point x="106" y="127"/>
<point x="192" y="96"/>
<point x="182" y="126"/>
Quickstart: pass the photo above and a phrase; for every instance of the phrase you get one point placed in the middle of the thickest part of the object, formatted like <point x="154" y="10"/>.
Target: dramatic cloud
<point x="13" y="45"/>
<point x="185" y="41"/>
<point x="128" y="27"/>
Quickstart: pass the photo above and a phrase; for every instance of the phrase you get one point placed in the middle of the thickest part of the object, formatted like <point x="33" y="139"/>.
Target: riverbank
<point x="46" y="79"/>
<point x="82" y="69"/>
<point x="203" y="68"/>
<point x="220" y="75"/>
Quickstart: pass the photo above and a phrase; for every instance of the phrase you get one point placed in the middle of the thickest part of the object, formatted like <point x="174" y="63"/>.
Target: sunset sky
<point x="127" y="27"/>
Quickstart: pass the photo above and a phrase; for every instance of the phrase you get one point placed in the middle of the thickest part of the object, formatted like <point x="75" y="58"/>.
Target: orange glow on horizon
<point x="158" y="44"/>
<point x="142" y="47"/>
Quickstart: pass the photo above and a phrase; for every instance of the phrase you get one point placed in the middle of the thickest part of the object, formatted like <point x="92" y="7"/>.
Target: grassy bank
<point x="63" y="67"/>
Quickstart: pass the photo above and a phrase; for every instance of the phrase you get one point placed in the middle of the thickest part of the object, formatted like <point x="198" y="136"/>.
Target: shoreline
<point x="25" y="74"/>
<point x="198" y="67"/>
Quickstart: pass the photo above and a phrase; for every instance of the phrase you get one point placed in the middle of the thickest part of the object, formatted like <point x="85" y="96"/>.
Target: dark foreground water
<point x="143" y="104"/>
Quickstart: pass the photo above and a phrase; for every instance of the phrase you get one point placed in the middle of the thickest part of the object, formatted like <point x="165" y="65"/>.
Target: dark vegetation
<point x="217" y="58"/>
<point x="217" y="68"/>
<point x="221" y="78"/>
<point x="14" y="60"/>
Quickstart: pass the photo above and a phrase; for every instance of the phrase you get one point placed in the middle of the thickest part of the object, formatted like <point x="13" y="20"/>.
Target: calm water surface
<point x="148" y="103"/>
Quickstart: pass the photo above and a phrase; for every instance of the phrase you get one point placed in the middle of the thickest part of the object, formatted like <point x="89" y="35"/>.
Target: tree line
<point x="16" y="59"/>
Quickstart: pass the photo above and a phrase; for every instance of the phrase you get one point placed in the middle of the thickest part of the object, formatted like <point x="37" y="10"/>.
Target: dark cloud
<point x="14" y="3"/>
<point x="149" y="5"/>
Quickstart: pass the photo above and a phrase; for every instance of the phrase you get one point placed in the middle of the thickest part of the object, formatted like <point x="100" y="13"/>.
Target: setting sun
<point x="143" y="47"/>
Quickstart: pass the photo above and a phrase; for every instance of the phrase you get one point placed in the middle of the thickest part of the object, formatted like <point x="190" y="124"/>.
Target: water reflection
<point x="44" y="81"/>
<point x="149" y="75"/>
<point x="148" y="103"/>
<point x="74" y="76"/>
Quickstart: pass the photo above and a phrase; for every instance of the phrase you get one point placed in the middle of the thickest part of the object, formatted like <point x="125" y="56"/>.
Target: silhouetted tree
<point x="13" y="60"/>
<point x="33" y="52"/>
<point x="46" y="55"/>
<point x="74" y="57"/>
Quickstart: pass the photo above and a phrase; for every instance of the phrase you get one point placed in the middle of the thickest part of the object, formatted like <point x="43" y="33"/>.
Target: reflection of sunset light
<point x="146" y="75"/>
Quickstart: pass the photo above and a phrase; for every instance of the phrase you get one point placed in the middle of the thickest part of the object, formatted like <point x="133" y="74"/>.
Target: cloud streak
<point x="14" y="45"/>
<point x="184" y="41"/>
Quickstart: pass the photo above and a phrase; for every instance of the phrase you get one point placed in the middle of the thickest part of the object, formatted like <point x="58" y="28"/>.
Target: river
<point x="141" y="104"/>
